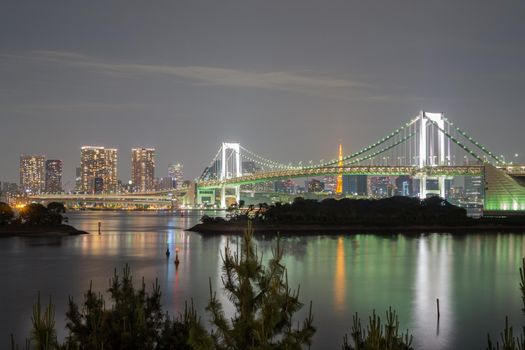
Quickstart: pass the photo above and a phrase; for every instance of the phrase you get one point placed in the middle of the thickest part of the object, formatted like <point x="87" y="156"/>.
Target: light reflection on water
<point x="340" y="277"/>
<point x="474" y="276"/>
<point x="434" y="263"/>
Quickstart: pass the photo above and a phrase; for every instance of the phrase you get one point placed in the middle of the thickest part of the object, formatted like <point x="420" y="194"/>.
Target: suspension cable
<point x="372" y="155"/>
<point x="208" y="169"/>
<point x="457" y="142"/>
<point x="267" y="161"/>
<point x="377" y="143"/>
<point x="477" y="144"/>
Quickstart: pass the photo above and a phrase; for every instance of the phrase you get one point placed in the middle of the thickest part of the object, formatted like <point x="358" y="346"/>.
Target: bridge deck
<point x="374" y="170"/>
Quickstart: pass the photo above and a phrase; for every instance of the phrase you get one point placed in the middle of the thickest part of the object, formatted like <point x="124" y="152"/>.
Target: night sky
<point x="287" y="79"/>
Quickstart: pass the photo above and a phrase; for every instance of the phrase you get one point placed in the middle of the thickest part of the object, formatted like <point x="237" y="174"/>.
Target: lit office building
<point x="379" y="186"/>
<point x="314" y="186"/>
<point x="53" y="176"/>
<point x="330" y="183"/>
<point x="404" y="186"/>
<point x="285" y="186"/>
<point x="176" y="172"/>
<point x="32" y="178"/>
<point x="165" y="183"/>
<point x="355" y="185"/>
<point x="98" y="170"/>
<point x="474" y="193"/>
<point x="143" y="169"/>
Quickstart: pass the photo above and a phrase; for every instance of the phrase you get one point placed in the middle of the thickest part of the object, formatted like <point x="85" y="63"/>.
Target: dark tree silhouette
<point x="56" y="207"/>
<point x="6" y="213"/>
<point x="393" y="211"/>
<point x="37" y="214"/>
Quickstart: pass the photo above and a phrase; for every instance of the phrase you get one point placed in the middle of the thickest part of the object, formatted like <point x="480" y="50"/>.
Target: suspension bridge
<point x="427" y="147"/>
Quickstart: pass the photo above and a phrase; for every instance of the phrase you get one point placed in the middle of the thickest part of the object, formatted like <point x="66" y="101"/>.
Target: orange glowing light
<point x="339" y="188"/>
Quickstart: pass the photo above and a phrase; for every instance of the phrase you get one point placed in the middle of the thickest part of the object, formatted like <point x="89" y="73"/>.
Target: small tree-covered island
<point x="394" y="214"/>
<point x="35" y="220"/>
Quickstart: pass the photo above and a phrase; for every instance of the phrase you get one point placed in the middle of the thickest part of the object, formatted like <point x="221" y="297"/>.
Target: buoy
<point x="168" y="252"/>
<point x="177" y="257"/>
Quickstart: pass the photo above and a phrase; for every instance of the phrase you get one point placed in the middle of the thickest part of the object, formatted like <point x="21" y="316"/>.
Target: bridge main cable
<point x="208" y="169"/>
<point x="384" y="149"/>
<point x="372" y="146"/>
<point x="457" y="142"/>
<point x="266" y="162"/>
<point x="477" y="144"/>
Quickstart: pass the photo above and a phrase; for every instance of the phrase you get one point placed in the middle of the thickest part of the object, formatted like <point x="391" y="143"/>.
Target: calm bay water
<point x="475" y="276"/>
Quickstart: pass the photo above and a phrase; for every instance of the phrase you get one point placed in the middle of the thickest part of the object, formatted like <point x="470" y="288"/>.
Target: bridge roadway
<point x="373" y="170"/>
<point x="160" y="197"/>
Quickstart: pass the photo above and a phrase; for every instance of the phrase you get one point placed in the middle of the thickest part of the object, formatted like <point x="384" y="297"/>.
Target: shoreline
<point x="23" y="230"/>
<point x="312" y="229"/>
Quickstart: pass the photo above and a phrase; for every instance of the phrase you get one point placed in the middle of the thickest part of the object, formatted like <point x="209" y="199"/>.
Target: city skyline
<point x="70" y="184"/>
<point x="192" y="77"/>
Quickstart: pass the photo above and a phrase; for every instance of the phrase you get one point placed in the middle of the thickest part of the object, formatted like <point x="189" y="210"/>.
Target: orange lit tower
<point x="339" y="188"/>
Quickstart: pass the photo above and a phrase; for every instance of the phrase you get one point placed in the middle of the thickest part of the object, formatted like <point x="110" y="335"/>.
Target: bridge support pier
<point x="422" y="187"/>
<point x="424" y="191"/>
<point x="442" y="189"/>
<point x="223" y="197"/>
<point x="225" y="194"/>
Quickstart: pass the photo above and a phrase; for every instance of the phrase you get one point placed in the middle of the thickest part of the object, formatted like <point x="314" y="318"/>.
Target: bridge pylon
<point x="231" y="167"/>
<point x="432" y="149"/>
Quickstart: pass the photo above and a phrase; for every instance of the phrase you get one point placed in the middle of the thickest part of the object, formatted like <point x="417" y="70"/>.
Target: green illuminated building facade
<point x="503" y="193"/>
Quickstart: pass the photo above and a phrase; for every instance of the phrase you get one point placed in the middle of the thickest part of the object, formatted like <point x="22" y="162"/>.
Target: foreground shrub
<point x="133" y="319"/>
<point x="507" y="338"/>
<point x="376" y="336"/>
<point x="264" y="305"/>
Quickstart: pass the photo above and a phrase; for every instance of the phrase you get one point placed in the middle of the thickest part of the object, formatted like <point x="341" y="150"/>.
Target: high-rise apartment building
<point x="143" y="169"/>
<point x="53" y="176"/>
<point x="32" y="174"/>
<point x="9" y="191"/>
<point x="176" y="172"/>
<point x="98" y="170"/>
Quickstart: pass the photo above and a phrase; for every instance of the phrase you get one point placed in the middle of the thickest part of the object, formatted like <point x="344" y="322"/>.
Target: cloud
<point x="70" y="107"/>
<point x="300" y="82"/>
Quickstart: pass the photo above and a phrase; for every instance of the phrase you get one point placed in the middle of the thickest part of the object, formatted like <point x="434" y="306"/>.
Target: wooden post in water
<point x="99" y="225"/>
<point x="437" y="300"/>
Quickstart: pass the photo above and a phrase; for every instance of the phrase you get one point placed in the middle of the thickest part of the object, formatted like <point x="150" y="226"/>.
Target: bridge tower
<point x="432" y="150"/>
<point x="339" y="187"/>
<point x="231" y="166"/>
